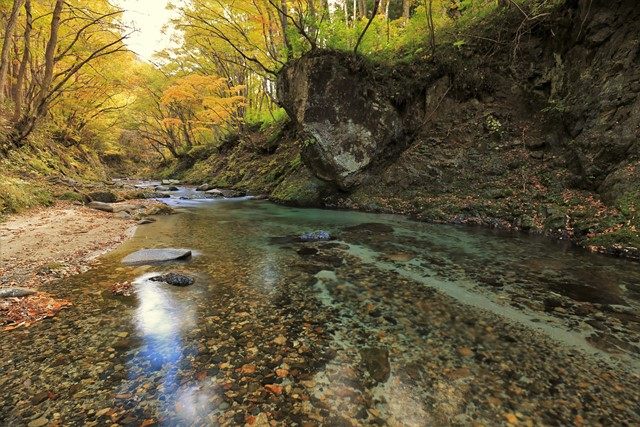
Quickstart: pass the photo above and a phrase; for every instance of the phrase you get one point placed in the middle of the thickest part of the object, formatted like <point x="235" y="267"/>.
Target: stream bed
<point x="394" y="322"/>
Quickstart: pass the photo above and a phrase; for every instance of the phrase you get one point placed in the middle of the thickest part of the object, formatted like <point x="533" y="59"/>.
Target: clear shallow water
<point x="394" y="323"/>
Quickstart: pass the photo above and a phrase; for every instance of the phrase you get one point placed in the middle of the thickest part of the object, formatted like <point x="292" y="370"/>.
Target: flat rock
<point x="39" y="422"/>
<point x="16" y="292"/>
<point x="150" y="256"/>
<point x="174" y="279"/>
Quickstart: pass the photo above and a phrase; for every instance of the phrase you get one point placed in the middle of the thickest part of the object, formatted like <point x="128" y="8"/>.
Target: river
<point x="394" y="322"/>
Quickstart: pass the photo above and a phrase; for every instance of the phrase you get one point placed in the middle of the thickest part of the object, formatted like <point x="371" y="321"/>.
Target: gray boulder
<point x="347" y="122"/>
<point x="152" y="256"/>
<point x="103" y="196"/>
<point x="204" y="187"/>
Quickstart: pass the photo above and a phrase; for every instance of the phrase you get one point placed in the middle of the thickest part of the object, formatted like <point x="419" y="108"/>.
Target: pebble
<point x="39" y="422"/>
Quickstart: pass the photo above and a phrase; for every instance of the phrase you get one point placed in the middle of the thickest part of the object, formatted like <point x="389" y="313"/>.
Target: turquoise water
<point x="392" y="323"/>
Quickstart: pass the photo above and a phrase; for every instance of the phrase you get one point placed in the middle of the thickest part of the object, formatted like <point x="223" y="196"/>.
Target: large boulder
<point x="152" y="256"/>
<point x="103" y="196"/>
<point x="346" y="119"/>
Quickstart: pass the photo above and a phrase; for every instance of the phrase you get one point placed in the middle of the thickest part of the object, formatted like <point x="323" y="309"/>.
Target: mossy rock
<point x="72" y="196"/>
<point x="300" y="188"/>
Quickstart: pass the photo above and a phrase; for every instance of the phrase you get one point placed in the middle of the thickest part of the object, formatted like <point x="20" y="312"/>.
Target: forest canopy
<point x="67" y="76"/>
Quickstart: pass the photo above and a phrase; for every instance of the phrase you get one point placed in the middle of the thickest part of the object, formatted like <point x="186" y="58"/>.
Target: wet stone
<point x="174" y="279"/>
<point x="15" y="292"/>
<point x="312" y="236"/>
<point x="150" y="256"/>
<point x="376" y="362"/>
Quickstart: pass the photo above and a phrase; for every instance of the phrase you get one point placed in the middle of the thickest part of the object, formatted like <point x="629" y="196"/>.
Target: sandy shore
<point x="46" y="244"/>
<point x="50" y="243"/>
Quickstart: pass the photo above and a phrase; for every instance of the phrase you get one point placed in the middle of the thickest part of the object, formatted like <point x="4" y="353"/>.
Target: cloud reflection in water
<point x="161" y="319"/>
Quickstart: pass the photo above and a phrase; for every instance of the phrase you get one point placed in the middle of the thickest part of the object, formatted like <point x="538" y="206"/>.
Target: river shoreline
<point x="43" y="245"/>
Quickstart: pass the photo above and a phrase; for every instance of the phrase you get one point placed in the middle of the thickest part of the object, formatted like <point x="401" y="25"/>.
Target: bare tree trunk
<point x="432" y="31"/>
<point x="6" y="45"/>
<point x="18" y="90"/>
<point x="282" y="13"/>
<point x="406" y="9"/>
<point x="376" y="5"/>
<point x="49" y="55"/>
<point x="312" y="17"/>
<point x="362" y="8"/>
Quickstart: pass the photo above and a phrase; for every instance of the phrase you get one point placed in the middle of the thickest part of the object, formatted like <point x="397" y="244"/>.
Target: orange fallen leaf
<point x="274" y="388"/>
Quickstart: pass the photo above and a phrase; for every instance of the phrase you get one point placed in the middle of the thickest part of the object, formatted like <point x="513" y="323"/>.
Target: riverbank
<point x="46" y="244"/>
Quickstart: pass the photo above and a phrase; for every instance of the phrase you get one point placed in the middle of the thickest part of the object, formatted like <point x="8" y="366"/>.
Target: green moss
<point x="71" y="196"/>
<point x="17" y="195"/>
<point x="625" y="237"/>
<point x="299" y="189"/>
<point x="629" y="205"/>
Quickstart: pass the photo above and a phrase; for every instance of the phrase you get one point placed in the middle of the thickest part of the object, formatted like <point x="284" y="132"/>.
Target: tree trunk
<point x="26" y="124"/>
<point x="18" y="90"/>
<point x="49" y="57"/>
<point x="430" y="25"/>
<point x="6" y="44"/>
<point x="282" y="13"/>
<point x="376" y="5"/>
<point x="362" y="8"/>
<point x="406" y="9"/>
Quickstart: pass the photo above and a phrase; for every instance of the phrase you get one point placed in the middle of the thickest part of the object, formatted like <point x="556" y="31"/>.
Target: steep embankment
<point x="533" y="124"/>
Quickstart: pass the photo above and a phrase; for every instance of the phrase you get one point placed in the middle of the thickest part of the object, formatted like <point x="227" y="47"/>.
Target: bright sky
<point x="148" y="17"/>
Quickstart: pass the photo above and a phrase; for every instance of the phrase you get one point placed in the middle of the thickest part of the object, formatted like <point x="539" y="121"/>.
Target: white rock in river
<point x="148" y="256"/>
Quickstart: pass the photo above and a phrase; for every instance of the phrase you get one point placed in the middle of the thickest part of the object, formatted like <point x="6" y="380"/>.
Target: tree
<point x="6" y="45"/>
<point x="88" y="35"/>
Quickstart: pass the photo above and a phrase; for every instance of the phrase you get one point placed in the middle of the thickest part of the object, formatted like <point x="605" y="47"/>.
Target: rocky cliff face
<point x="538" y="132"/>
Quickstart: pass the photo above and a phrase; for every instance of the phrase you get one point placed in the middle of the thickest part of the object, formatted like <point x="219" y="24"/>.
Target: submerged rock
<point x="376" y="362"/>
<point x="16" y="292"/>
<point x="312" y="236"/>
<point x="150" y="256"/>
<point x="174" y="279"/>
<point x="371" y="227"/>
